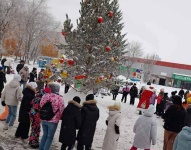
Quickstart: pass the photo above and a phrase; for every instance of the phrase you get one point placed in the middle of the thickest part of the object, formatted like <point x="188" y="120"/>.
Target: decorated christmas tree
<point x="93" y="50"/>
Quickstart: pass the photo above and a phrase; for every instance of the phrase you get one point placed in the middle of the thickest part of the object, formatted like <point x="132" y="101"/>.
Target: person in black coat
<point x="133" y="94"/>
<point x="67" y="87"/>
<point x="20" y="66"/>
<point x="174" y="119"/>
<point x="181" y="92"/>
<point x="33" y="75"/>
<point x="71" y="121"/>
<point x="115" y="92"/>
<point x="24" y="119"/>
<point x="90" y="116"/>
<point x="3" y="61"/>
<point x="2" y="80"/>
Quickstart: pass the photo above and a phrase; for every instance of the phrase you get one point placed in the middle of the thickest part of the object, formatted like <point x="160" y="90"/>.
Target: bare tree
<point x="131" y="53"/>
<point x="8" y="13"/>
<point x="149" y="62"/>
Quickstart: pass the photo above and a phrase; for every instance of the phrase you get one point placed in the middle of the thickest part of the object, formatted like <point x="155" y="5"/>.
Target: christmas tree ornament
<point x="112" y="59"/>
<point x="61" y="61"/>
<point x="100" y="20"/>
<point x="70" y="62"/>
<point x="64" y="74"/>
<point x="110" y="14"/>
<point x="107" y="48"/>
<point x="80" y="77"/>
<point x="59" y="80"/>
<point x="45" y="76"/>
<point x="63" y="33"/>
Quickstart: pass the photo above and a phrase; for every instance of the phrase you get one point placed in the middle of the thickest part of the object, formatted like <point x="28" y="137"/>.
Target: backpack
<point x="46" y="112"/>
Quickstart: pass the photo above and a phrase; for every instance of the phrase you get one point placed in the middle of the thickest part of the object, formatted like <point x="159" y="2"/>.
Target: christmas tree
<point x="93" y="50"/>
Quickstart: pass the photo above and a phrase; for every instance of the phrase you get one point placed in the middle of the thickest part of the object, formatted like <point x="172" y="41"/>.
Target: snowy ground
<point x="126" y="138"/>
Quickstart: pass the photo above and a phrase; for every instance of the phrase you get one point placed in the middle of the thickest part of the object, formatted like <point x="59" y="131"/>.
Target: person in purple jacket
<point x="153" y="98"/>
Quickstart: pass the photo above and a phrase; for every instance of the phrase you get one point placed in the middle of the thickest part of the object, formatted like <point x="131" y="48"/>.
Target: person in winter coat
<point x="159" y="99"/>
<point x="33" y="75"/>
<point x="153" y="98"/>
<point x="169" y="101"/>
<point x="115" y="92"/>
<point x="90" y="116"/>
<point x="3" y="80"/>
<point x="35" y="119"/>
<point x="49" y="127"/>
<point x="113" y="123"/>
<point x="183" y="139"/>
<point x="3" y="61"/>
<point x="7" y="65"/>
<point x="40" y="80"/>
<point x="20" y="66"/>
<point x="125" y="91"/>
<point x="24" y="73"/>
<point x="145" y="130"/>
<point x="181" y="92"/>
<point x="67" y="87"/>
<point x="71" y="121"/>
<point x="163" y="104"/>
<point x="11" y="96"/>
<point x="24" y="119"/>
<point x="174" y="119"/>
<point x="133" y="94"/>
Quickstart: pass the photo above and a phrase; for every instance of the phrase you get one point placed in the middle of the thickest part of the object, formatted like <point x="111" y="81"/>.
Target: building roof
<point x="164" y="63"/>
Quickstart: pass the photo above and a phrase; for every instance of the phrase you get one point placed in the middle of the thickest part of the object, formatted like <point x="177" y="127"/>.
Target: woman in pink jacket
<point x="49" y="127"/>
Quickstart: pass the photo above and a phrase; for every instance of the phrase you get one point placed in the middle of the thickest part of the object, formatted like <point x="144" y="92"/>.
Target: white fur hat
<point x="33" y="85"/>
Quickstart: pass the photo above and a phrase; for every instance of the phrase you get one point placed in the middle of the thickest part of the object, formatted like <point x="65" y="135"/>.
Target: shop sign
<point x="181" y="77"/>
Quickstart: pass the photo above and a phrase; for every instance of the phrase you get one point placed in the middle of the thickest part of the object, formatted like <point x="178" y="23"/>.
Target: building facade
<point x="165" y="73"/>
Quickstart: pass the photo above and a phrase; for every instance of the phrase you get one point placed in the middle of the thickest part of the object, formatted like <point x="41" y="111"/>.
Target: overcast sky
<point x="162" y="26"/>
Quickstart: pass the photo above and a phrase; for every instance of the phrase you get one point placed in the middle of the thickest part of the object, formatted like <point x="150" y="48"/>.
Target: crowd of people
<point x="42" y="107"/>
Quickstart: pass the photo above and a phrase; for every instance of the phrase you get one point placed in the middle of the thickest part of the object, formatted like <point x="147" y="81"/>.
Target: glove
<point x="117" y="129"/>
<point x="3" y="103"/>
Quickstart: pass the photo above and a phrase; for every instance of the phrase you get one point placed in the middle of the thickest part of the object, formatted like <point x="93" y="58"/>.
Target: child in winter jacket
<point x="35" y="120"/>
<point x="145" y="130"/>
<point x="113" y="123"/>
<point x="24" y="119"/>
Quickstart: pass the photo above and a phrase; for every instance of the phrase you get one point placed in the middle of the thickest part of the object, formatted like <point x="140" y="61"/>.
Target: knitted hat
<point x="77" y="99"/>
<point x="54" y="88"/>
<point x="33" y="85"/>
<point x="89" y="97"/>
<point x="17" y="77"/>
<point x="177" y="100"/>
<point x="165" y="94"/>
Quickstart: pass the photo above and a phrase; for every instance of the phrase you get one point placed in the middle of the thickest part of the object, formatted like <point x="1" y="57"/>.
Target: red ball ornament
<point x="70" y="62"/>
<point x="45" y="76"/>
<point x="110" y="14"/>
<point x="107" y="49"/>
<point x="63" y="33"/>
<point x="100" y="19"/>
<point x="61" y="61"/>
<point x="59" y="80"/>
<point x="51" y="64"/>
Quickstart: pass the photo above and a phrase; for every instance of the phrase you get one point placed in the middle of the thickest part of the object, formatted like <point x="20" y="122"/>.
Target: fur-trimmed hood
<point x="90" y="102"/>
<point x="114" y="108"/>
<point x="75" y="103"/>
<point x="31" y="88"/>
